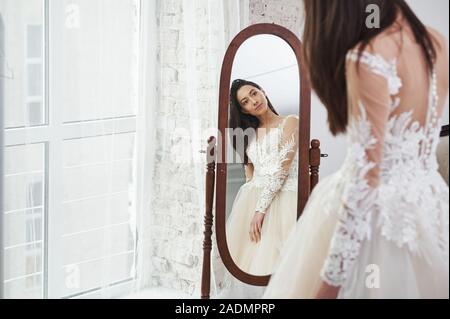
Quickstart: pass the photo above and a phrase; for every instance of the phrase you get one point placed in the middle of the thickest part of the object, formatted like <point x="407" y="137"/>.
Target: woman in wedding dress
<point x="377" y="228"/>
<point x="264" y="211"/>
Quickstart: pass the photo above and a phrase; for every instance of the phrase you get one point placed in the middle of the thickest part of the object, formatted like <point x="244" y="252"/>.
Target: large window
<point x="23" y="220"/>
<point x="71" y="101"/>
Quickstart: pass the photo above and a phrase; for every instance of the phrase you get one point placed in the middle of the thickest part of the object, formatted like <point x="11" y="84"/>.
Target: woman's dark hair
<point x="332" y="28"/>
<point x="238" y="119"/>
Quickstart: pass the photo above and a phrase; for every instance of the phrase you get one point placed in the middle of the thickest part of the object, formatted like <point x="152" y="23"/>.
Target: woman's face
<point x="252" y="100"/>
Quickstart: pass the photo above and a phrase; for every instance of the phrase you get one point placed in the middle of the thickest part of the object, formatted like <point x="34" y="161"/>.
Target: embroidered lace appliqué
<point x="275" y="175"/>
<point x="406" y="179"/>
<point x="378" y="65"/>
<point x="268" y="156"/>
<point x="357" y="205"/>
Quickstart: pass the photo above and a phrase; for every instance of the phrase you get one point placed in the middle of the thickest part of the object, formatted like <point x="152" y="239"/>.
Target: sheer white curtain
<point x="2" y="76"/>
<point x="75" y="143"/>
<point x="80" y="100"/>
<point x="146" y="137"/>
<point x="208" y="33"/>
<point x="205" y="28"/>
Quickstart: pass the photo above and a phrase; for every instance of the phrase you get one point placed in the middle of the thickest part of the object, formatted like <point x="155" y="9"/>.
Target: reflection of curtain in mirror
<point x="75" y="140"/>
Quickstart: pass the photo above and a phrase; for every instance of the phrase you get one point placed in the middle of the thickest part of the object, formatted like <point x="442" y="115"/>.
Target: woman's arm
<point x="371" y="86"/>
<point x="280" y="164"/>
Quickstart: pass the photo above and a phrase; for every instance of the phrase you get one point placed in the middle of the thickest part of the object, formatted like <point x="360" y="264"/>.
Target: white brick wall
<point x="288" y="13"/>
<point x="178" y="200"/>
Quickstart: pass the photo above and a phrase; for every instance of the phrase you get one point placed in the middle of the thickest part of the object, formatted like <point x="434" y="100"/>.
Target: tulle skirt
<point x="260" y="258"/>
<point x="255" y="258"/>
<point x="382" y="270"/>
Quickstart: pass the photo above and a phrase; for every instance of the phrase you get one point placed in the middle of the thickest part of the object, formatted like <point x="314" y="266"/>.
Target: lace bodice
<point x="390" y="172"/>
<point x="269" y="154"/>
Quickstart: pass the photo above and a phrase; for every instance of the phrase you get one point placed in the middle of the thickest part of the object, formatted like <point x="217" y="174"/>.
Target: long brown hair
<point x="332" y="28"/>
<point x="239" y="119"/>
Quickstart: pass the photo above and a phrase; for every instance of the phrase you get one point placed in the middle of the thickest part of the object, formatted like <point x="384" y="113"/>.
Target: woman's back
<point x="404" y="112"/>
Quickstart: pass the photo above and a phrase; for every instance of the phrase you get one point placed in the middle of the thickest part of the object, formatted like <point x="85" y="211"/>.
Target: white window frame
<point x="2" y="76"/>
<point x="31" y="98"/>
<point x="55" y="132"/>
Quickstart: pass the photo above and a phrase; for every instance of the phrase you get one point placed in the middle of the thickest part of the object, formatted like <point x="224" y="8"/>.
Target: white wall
<point x="434" y="14"/>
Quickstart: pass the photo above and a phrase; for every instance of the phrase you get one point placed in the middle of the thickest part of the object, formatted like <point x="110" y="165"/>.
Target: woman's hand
<point x="256" y="226"/>
<point x="327" y="291"/>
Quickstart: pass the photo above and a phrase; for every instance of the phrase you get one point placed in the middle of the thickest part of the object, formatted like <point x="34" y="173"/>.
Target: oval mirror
<point x="262" y="69"/>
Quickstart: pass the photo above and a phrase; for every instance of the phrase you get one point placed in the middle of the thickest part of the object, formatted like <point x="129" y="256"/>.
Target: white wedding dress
<point x="273" y="190"/>
<point x="379" y="227"/>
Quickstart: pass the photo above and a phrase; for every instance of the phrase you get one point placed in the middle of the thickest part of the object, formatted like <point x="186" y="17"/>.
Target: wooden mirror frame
<point x="304" y="139"/>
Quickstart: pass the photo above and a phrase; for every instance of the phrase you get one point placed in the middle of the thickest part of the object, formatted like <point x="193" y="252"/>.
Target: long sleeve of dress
<point x="280" y="164"/>
<point x="371" y="86"/>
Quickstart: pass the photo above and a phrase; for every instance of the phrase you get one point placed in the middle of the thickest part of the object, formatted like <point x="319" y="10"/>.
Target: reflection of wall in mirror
<point x="270" y="62"/>
<point x="442" y="157"/>
<point x="235" y="179"/>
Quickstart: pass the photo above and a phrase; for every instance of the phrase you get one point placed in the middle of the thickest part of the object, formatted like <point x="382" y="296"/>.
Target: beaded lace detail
<point x="407" y="173"/>
<point x="268" y="155"/>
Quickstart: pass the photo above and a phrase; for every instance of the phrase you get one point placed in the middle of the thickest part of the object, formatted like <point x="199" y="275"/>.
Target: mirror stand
<point x="209" y="196"/>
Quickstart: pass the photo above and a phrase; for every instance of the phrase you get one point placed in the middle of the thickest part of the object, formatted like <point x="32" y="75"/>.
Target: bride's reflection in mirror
<point x="262" y="187"/>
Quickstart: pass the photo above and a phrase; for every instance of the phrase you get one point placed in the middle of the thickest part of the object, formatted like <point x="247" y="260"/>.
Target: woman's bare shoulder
<point x="291" y="118"/>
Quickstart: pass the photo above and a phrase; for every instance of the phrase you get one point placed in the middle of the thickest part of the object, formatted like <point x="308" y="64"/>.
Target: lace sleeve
<point x="370" y="86"/>
<point x="281" y="163"/>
